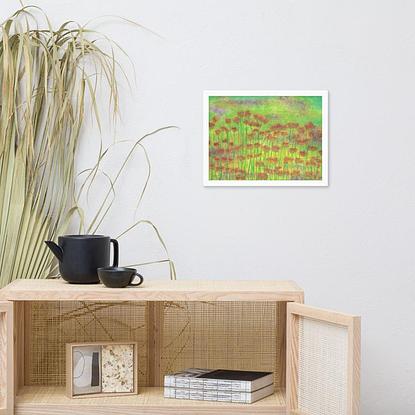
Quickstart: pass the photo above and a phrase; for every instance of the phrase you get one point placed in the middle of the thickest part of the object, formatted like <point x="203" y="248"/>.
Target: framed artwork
<point x="101" y="369"/>
<point x="265" y="138"/>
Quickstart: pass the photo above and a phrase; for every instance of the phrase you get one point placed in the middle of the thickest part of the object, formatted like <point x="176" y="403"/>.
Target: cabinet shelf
<point x="51" y="400"/>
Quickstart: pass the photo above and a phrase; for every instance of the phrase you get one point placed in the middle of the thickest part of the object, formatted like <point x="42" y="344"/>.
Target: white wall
<point x="349" y="245"/>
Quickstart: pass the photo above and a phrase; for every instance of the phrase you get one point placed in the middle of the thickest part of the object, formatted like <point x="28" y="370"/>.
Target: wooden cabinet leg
<point x="6" y="358"/>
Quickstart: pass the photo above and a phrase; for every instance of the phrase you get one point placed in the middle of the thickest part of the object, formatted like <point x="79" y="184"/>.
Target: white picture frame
<point x="324" y="181"/>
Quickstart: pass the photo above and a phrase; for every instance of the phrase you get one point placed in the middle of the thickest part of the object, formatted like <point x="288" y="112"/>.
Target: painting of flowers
<point x="271" y="138"/>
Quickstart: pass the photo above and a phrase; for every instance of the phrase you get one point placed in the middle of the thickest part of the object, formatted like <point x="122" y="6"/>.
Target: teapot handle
<point x="116" y="252"/>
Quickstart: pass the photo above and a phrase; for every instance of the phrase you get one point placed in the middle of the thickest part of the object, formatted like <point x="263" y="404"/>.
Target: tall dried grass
<point x="49" y="79"/>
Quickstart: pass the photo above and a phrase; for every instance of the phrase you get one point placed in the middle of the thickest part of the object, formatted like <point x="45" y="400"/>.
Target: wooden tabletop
<point x="181" y="290"/>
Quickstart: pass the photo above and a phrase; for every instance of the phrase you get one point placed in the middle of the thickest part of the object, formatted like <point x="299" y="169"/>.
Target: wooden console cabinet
<point x="257" y="325"/>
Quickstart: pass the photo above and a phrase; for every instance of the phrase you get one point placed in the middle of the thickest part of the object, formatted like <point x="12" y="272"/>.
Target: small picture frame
<point x="101" y="369"/>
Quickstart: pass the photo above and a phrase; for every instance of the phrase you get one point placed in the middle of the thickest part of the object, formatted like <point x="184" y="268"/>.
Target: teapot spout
<point x="56" y="249"/>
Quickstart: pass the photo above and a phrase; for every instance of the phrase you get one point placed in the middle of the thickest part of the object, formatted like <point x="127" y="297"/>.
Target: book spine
<point x="169" y="381"/>
<point x="228" y="385"/>
<point x="207" y="384"/>
<point x="208" y="395"/>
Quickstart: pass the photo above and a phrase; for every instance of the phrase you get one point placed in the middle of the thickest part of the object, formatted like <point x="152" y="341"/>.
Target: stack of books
<point x="238" y="386"/>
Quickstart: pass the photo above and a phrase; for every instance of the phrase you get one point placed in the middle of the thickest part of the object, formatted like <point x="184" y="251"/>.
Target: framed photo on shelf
<point x="265" y="138"/>
<point x="101" y="369"/>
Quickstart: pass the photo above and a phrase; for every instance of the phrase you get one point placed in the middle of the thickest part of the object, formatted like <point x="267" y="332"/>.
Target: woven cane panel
<point x="228" y="335"/>
<point x="53" y="324"/>
<point x="322" y="376"/>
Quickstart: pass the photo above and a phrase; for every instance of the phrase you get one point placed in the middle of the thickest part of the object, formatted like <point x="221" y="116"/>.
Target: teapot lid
<point x="84" y="236"/>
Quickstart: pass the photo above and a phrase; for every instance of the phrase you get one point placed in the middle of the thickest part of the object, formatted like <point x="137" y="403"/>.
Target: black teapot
<point x="79" y="256"/>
